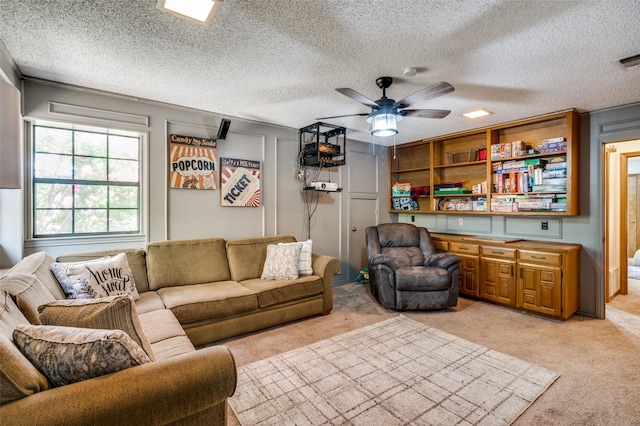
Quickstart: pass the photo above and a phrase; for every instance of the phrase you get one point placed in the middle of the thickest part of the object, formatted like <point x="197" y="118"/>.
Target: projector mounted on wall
<point x="325" y="186"/>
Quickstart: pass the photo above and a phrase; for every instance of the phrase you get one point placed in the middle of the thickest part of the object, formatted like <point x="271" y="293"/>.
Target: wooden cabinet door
<point x="539" y="289"/>
<point x="469" y="275"/>
<point x="497" y="281"/>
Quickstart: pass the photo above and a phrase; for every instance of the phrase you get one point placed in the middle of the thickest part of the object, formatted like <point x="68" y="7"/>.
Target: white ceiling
<point x="279" y="61"/>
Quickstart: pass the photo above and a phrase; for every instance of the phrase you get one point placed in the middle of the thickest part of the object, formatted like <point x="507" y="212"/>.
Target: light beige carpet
<point x="395" y="372"/>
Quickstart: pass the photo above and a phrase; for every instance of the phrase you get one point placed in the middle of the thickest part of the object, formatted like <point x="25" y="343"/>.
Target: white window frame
<point x="43" y="242"/>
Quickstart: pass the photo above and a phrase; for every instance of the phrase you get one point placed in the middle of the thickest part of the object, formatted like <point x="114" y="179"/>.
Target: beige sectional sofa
<point x="192" y="294"/>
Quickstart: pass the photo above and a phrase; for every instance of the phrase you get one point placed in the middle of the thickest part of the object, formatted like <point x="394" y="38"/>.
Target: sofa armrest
<point x="325" y="267"/>
<point x="160" y="392"/>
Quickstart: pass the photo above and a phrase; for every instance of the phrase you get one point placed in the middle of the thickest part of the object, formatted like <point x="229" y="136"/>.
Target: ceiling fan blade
<point x="364" y="114"/>
<point x="430" y="92"/>
<point x="358" y="97"/>
<point x="425" y="113"/>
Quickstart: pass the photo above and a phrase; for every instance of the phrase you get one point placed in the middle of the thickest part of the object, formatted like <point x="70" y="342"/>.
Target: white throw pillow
<point x="304" y="263"/>
<point x="107" y="276"/>
<point x="281" y="262"/>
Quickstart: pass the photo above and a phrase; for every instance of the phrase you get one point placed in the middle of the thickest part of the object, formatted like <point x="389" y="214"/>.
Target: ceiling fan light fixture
<point x="197" y="10"/>
<point x="384" y="124"/>
<point x="477" y="113"/>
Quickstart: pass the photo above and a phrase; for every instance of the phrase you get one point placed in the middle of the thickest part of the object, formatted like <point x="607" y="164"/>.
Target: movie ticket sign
<point x="239" y="183"/>
<point x="192" y="162"/>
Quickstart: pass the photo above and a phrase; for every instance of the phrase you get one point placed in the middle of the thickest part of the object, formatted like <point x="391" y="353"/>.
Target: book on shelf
<point x="556" y="166"/>
<point x="555" y="181"/>
<point x="442" y="185"/>
<point x="554" y="173"/>
<point x="549" y="188"/>
<point x="452" y="191"/>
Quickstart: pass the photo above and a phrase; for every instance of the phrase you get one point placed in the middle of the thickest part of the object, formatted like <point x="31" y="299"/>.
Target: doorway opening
<point x="622" y="234"/>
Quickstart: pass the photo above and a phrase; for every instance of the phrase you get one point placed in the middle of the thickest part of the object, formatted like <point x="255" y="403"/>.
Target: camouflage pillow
<point x="68" y="354"/>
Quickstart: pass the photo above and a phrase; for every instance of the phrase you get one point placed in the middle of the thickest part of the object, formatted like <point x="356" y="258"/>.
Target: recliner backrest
<point x="408" y="244"/>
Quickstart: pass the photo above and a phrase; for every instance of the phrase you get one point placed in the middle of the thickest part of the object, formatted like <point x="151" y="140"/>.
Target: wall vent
<point x="631" y="61"/>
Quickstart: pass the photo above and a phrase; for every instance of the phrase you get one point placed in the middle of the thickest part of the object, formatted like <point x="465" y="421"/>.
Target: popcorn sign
<point x="192" y="162"/>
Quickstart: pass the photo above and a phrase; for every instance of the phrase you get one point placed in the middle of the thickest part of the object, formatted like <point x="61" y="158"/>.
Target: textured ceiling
<point x="279" y="61"/>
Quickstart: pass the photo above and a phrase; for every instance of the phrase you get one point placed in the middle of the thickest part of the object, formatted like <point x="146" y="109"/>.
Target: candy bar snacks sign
<point x="240" y="183"/>
<point x="193" y="162"/>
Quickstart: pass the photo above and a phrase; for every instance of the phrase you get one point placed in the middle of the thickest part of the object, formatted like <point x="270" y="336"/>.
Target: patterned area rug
<point x="395" y="372"/>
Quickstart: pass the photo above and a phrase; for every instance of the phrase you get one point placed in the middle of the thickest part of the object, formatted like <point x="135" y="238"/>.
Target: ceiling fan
<point x="385" y="112"/>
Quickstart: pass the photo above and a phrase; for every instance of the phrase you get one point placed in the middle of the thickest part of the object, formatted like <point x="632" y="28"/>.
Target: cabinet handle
<point x="463" y="248"/>
<point x="497" y="252"/>
<point x="539" y="257"/>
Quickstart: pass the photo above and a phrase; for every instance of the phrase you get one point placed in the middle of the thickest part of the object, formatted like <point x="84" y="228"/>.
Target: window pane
<point x="70" y="172"/>
<point x="123" y="220"/>
<point x="91" y="144"/>
<point x="53" y="222"/>
<point x="53" y="166"/>
<point x="123" y="197"/>
<point x="53" y="196"/>
<point x="90" y="196"/>
<point x="53" y="140"/>
<point x="88" y="168"/>
<point x="123" y="171"/>
<point x="123" y="147"/>
<point x="92" y="220"/>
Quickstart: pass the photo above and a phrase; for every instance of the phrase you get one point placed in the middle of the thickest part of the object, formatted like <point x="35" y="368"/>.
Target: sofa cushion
<point x="68" y="354"/>
<point x="165" y="333"/>
<point x="38" y="264"/>
<point x="272" y="292"/>
<point x="107" y="276"/>
<point x="186" y="262"/>
<point x="149" y="301"/>
<point x="205" y="301"/>
<point x="28" y="292"/>
<point x="109" y="313"/>
<point x="246" y="256"/>
<point x="136" y="257"/>
<point x="281" y="262"/>
<point x="305" y="265"/>
<point x="18" y="377"/>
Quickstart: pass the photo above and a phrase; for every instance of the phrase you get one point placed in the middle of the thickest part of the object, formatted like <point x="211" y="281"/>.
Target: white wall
<point x="10" y="199"/>
<point x="181" y="213"/>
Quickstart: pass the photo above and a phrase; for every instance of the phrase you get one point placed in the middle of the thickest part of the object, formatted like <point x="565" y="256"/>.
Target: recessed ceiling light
<point x="198" y="10"/>
<point x="477" y="113"/>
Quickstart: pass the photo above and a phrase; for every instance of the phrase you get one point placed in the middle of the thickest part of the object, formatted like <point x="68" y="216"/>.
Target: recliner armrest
<point x="381" y="259"/>
<point x="160" y="392"/>
<point x="443" y="260"/>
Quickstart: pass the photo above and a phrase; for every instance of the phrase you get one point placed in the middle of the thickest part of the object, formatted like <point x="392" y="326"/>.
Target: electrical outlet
<point x="544" y="225"/>
<point x="461" y="221"/>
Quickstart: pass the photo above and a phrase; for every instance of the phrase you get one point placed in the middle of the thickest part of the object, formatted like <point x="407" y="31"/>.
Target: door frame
<point x="624" y="217"/>
<point x="607" y="149"/>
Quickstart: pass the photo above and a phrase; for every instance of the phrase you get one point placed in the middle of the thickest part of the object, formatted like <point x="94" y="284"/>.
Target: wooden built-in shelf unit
<point x="457" y="159"/>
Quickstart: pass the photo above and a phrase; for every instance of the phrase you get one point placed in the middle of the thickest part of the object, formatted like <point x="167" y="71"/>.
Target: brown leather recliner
<point x="406" y="273"/>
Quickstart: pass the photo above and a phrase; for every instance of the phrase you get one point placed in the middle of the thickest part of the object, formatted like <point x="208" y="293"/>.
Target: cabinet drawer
<point x="441" y="245"/>
<point x="540" y="257"/>
<point x="507" y="253"/>
<point x="464" y="248"/>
